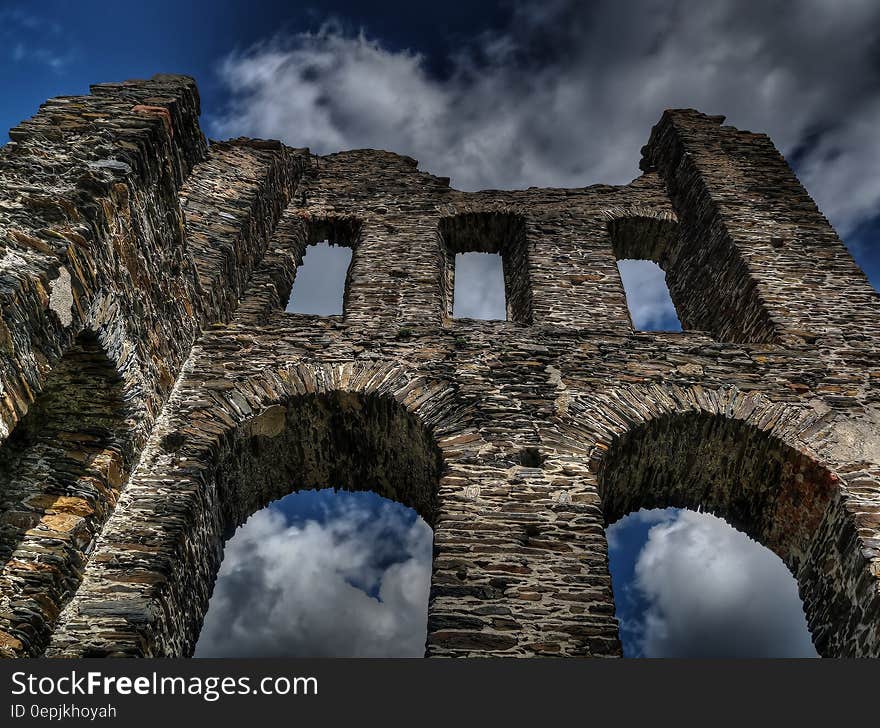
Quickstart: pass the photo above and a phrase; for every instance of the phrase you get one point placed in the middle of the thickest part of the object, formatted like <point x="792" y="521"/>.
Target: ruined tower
<point x="155" y="393"/>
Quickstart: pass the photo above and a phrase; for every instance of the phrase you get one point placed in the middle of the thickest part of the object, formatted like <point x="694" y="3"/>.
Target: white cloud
<point x="567" y="94"/>
<point x="713" y="592"/>
<point x="614" y="533"/>
<point x="305" y="590"/>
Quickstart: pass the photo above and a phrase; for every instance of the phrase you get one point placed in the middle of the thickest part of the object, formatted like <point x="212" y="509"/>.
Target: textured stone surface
<point x="155" y="393"/>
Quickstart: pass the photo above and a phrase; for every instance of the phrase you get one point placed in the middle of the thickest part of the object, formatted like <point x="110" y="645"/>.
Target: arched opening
<point x="350" y="481"/>
<point x="773" y="493"/>
<point x="61" y="470"/>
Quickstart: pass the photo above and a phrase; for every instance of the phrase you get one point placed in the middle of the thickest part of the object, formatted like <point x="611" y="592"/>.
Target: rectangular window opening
<point x="484" y="267"/>
<point x="479" y="287"/>
<point x="319" y="286"/>
<point x="647" y="296"/>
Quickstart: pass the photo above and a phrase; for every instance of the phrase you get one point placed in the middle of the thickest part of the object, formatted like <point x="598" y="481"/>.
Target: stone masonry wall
<point x="518" y="440"/>
<point x="95" y="242"/>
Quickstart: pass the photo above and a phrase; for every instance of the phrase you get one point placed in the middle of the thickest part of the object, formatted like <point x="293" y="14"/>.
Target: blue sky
<point x="504" y="95"/>
<point x="66" y="46"/>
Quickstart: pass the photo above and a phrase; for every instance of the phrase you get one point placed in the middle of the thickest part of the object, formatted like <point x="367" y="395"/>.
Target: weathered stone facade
<point x="155" y="393"/>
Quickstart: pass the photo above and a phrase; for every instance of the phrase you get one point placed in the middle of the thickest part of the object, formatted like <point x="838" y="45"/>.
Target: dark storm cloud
<point x="568" y="94"/>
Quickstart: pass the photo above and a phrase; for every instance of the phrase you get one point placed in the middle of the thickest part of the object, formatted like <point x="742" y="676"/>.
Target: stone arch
<point x="747" y="460"/>
<point x="641" y="232"/>
<point x="341" y="439"/>
<point x="61" y="471"/>
<point x="302" y="420"/>
<point x="344" y="440"/>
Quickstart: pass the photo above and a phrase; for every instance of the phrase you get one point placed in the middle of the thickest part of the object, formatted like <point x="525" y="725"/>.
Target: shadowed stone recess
<point x="154" y="392"/>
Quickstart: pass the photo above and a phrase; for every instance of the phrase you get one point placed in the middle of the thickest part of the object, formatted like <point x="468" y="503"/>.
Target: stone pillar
<point x="573" y="252"/>
<point x="394" y="279"/>
<point x="520" y="563"/>
<point x="756" y="257"/>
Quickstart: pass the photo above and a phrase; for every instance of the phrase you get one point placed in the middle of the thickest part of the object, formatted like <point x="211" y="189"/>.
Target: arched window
<point x="775" y="494"/>
<point x="364" y="549"/>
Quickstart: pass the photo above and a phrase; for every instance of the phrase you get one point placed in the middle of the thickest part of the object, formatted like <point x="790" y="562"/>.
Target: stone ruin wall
<point x="154" y="393"/>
